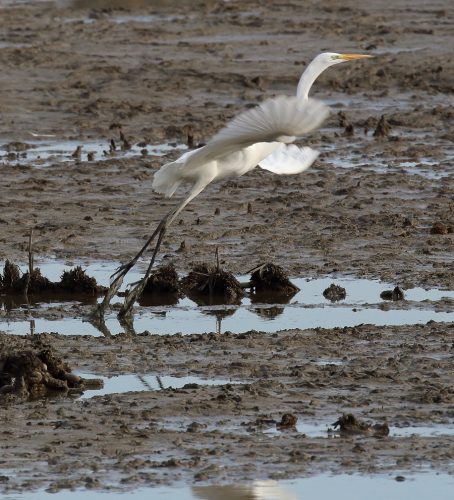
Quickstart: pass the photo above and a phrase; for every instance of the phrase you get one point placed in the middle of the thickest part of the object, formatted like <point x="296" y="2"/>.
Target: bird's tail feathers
<point x="167" y="179"/>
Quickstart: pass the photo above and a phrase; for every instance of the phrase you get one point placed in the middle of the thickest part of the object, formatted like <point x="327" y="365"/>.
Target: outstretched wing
<point x="282" y="118"/>
<point x="289" y="159"/>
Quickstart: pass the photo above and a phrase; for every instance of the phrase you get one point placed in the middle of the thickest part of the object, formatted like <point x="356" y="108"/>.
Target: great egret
<point x="261" y="136"/>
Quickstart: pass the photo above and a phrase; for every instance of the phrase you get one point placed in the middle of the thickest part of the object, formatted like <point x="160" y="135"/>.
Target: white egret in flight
<point x="261" y="136"/>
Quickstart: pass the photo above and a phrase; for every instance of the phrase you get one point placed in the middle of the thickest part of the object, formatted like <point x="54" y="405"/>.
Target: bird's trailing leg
<point x="136" y="292"/>
<point x="120" y="273"/>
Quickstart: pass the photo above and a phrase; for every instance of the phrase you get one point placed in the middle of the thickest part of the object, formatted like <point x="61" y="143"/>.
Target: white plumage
<point x="291" y="159"/>
<point x="256" y="137"/>
<point x="260" y="136"/>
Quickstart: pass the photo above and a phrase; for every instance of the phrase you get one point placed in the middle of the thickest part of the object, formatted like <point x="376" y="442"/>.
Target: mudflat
<point x="377" y="204"/>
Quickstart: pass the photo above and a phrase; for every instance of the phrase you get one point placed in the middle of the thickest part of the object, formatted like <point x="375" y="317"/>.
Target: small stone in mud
<point x="125" y="144"/>
<point x="345" y="123"/>
<point x="358" y="448"/>
<point x="77" y="152"/>
<point x="288" y="421"/>
<point x="163" y="280"/>
<point x="440" y="228"/>
<point x="349" y="424"/>
<point x="396" y="294"/>
<point x="210" y="281"/>
<point x="334" y="293"/>
<point x="272" y="278"/>
<point x="383" y="127"/>
<point x="195" y="427"/>
<point x="188" y="130"/>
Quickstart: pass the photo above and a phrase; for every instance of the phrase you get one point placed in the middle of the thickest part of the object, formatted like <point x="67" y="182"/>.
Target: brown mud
<point x="378" y="203"/>
<point x="388" y="378"/>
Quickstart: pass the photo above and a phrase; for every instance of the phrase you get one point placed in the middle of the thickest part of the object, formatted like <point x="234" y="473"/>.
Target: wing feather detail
<point x="274" y="119"/>
<point x="289" y="159"/>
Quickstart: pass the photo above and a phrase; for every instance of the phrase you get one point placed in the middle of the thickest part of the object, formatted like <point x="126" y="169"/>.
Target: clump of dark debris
<point x="396" y="294"/>
<point x="334" y="293"/>
<point x="76" y="280"/>
<point x="10" y="276"/>
<point x="163" y="280"/>
<point x="210" y="281"/>
<point x="349" y="424"/>
<point x="13" y="282"/>
<point x="30" y="369"/>
<point x="72" y="281"/>
<point x="271" y="278"/>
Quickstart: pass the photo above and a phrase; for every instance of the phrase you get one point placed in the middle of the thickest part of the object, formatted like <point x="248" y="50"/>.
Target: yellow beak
<point x="351" y="57"/>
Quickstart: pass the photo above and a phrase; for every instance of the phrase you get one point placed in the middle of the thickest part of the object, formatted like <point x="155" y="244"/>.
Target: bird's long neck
<point x="310" y="74"/>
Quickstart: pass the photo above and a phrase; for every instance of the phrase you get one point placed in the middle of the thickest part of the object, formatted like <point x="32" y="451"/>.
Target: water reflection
<point x="121" y="384"/>
<point x="220" y="314"/>
<point x="159" y="299"/>
<point x="121" y="4"/>
<point x="200" y="314"/>
<point x="11" y="302"/>
<point x="44" y="153"/>
<point x="419" y="486"/>
<point x="258" y="490"/>
<point x="203" y="300"/>
<point x="270" y="312"/>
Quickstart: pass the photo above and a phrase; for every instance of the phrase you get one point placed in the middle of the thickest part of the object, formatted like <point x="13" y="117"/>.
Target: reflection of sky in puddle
<point x="307" y="309"/>
<point x="422" y="431"/>
<point x="353" y="156"/>
<point x="138" y="383"/>
<point x="424" y="167"/>
<point x="122" y="19"/>
<point x="417" y="486"/>
<point x="194" y="321"/>
<point x="43" y="153"/>
<point x="312" y="429"/>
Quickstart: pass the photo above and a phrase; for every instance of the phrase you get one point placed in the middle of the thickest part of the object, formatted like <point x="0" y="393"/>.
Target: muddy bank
<point x="111" y="83"/>
<point x="399" y="377"/>
<point x="171" y="73"/>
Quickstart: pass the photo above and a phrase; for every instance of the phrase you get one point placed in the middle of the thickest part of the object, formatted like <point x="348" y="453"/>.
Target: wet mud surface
<point x="387" y="378"/>
<point x="95" y="97"/>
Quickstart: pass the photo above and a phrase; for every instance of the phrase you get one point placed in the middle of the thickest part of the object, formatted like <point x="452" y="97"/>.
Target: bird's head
<point x="318" y="65"/>
<point x="331" y="58"/>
